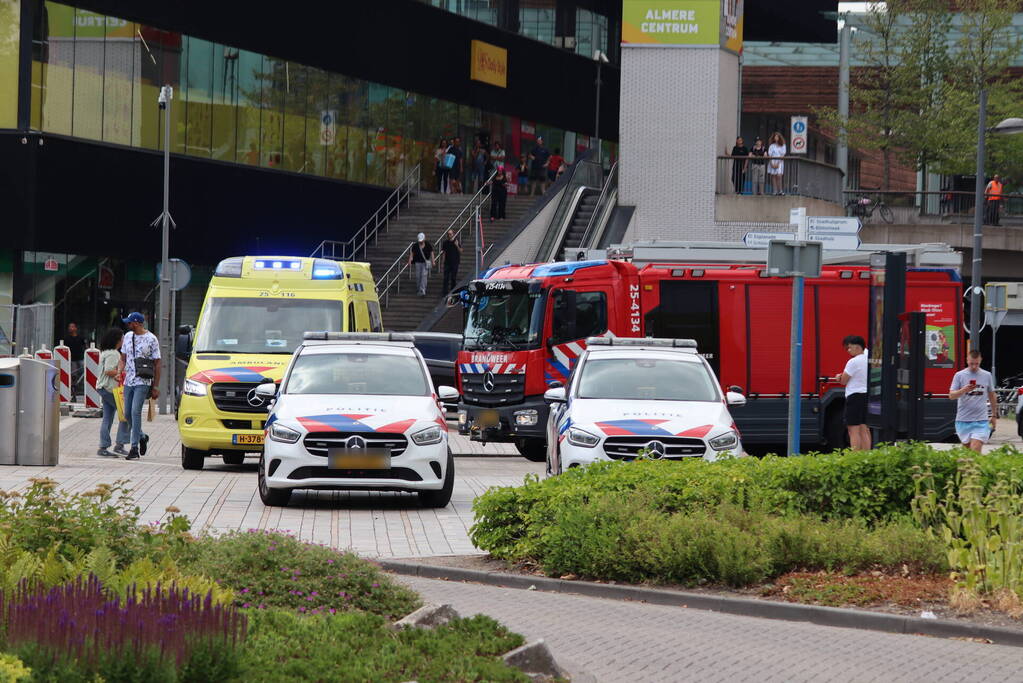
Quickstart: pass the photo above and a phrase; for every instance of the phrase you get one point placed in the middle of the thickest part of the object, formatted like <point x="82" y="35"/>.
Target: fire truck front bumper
<point x="504" y="424"/>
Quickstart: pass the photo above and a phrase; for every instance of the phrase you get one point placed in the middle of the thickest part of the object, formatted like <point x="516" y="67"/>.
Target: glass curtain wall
<point x="98" y="77"/>
<point x="10" y="22"/>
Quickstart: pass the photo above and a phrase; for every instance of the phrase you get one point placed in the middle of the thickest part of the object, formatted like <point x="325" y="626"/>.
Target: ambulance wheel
<point x="270" y="497"/>
<point x="192" y="459"/>
<point x="533" y="450"/>
<point x="440" y="498"/>
<point x="234" y="458"/>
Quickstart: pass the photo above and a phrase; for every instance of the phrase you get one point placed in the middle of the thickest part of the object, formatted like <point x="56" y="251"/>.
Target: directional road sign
<point x="760" y="240"/>
<point x="845" y="225"/>
<point x="832" y="242"/>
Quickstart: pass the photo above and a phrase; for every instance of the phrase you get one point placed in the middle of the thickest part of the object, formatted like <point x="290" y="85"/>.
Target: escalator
<point x="576" y="230"/>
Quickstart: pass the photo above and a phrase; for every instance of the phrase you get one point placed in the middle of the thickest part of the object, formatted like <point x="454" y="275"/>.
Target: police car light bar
<point x="641" y="341"/>
<point x="359" y="336"/>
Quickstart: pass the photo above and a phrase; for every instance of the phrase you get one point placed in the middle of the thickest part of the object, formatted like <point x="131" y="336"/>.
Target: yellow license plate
<point x="247" y="439"/>
<point x="368" y="459"/>
<point x="488" y="418"/>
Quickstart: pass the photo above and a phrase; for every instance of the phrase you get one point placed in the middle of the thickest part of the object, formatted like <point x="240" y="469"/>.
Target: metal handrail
<point x="392" y="276"/>
<point x="612" y="179"/>
<point x="349" y="249"/>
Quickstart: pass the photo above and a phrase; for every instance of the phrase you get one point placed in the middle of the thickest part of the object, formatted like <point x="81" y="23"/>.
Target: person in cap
<point x="140" y="368"/>
<point x="420" y="257"/>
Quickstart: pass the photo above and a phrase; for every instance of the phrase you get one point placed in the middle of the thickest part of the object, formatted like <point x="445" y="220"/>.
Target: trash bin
<point x="37" y="425"/>
<point x="9" y="369"/>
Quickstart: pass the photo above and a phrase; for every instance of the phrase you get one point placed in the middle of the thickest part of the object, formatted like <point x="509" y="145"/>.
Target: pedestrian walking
<point x="497" y="156"/>
<point x="740" y="164"/>
<point x="554" y="165"/>
<point x="140" y="368"/>
<point x="538" y="167"/>
<point x="76" y="344"/>
<point x="854" y="377"/>
<point x="523" y="174"/>
<point x="443" y="168"/>
<point x="479" y="167"/>
<point x="498" y="196"/>
<point x="974" y="391"/>
<point x="758" y="166"/>
<point x="457" y="166"/>
<point x="776" y="167"/>
<point x="420" y="257"/>
<point x="993" y="194"/>
<point x="451" y="250"/>
<point x="106" y="383"/>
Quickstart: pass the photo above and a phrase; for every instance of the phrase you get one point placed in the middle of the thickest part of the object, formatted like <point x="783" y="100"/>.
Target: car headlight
<point x="193" y="388"/>
<point x="578" y="437"/>
<point x="427" y="437"/>
<point x="724" y="441"/>
<point x="279" y="432"/>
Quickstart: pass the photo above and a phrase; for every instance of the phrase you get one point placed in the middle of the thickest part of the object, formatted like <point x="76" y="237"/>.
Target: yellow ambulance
<point x="254" y="315"/>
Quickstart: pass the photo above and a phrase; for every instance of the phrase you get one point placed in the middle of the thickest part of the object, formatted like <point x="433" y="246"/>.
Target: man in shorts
<point x="854" y="377"/>
<point x="974" y="390"/>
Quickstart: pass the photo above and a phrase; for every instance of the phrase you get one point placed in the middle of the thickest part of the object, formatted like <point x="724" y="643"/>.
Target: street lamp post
<point x="601" y="59"/>
<point x="1006" y="127"/>
<point x="167" y="352"/>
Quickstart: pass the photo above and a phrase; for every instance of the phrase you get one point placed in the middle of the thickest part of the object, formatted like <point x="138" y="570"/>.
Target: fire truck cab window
<point x="578" y="315"/>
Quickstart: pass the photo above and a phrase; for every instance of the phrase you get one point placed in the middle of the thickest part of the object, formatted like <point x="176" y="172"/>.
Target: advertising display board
<point x="887" y="301"/>
<point x="683" y="23"/>
<point x="489" y="64"/>
<point x="939" y="334"/>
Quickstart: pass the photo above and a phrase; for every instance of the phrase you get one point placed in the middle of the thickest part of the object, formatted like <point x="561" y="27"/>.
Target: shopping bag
<point x="152" y="410"/>
<point x="119" y="402"/>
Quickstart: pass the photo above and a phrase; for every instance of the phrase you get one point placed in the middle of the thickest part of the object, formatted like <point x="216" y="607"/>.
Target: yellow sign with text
<point x="489" y="64"/>
<point x="683" y="23"/>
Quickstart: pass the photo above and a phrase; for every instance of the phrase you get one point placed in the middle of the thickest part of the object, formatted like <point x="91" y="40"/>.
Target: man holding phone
<point x="974" y="388"/>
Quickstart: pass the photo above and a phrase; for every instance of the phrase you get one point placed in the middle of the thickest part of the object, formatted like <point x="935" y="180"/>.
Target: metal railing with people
<point x="391" y="279"/>
<point x="790" y="175"/>
<point x="350" y="249"/>
<point x="933" y="206"/>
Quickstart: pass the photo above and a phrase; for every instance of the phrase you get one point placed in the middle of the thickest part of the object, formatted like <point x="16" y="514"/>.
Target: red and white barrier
<point x="62" y="359"/>
<point x="92" y="397"/>
<point x="44" y="354"/>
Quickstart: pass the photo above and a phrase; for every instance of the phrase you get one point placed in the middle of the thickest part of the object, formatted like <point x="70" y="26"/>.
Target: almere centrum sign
<point x="683" y="23"/>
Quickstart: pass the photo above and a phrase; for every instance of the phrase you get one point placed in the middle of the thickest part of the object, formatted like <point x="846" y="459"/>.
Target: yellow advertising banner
<point x="489" y="64"/>
<point x="683" y="23"/>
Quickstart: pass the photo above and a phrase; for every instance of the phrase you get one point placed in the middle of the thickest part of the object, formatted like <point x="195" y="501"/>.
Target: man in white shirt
<point x="854" y="377"/>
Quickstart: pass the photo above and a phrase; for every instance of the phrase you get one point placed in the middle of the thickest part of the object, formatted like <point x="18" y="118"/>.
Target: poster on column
<point x="683" y="23"/>
<point x="939" y="335"/>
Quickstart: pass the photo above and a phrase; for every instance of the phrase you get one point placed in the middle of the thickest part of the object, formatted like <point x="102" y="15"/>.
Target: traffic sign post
<point x="995" y="310"/>
<point x="844" y="225"/>
<point x="760" y="240"/>
<point x="798" y="135"/>
<point x="836" y="242"/>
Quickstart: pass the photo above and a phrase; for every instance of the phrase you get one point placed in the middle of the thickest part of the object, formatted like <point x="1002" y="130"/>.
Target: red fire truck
<point x="526" y="326"/>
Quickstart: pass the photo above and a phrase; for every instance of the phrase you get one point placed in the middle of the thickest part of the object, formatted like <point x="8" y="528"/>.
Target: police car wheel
<point x="440" y="498"/>
<point x="269" y="496"/>
<point x="533" y="450"/>
<point x="192" y="459"/>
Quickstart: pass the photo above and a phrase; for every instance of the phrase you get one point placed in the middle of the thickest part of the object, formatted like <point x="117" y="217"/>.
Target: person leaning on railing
<point x="776" y="167"/>
<point x="758" y="167"/>
<point x="993" y="193"/>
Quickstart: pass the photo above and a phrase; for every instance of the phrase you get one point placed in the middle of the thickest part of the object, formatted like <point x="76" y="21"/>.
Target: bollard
<point x="62" y="360"/>
<point x="92" y="397"/>
<point x="26" y="353"/>
<point x="44" y="354"/>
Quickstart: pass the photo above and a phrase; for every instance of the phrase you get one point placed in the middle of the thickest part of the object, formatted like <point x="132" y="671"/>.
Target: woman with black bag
<point x="498" y="195"/>
<point x="140" y="368"/>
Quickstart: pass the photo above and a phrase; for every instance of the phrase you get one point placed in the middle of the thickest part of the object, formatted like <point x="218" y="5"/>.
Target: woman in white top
<point x="776" y="167"/>
<point x="106" y="382"/>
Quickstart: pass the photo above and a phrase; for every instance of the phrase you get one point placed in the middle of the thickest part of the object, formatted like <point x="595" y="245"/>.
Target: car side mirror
<point x="734" y="398"/>
<point x="555" y="395"/>
<point x="266" y="390"/>
<point x="446" y="393"/>
<point x="554" y="384"/>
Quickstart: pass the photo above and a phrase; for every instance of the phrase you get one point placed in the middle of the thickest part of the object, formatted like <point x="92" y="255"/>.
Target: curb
<point x="764" y="609"/>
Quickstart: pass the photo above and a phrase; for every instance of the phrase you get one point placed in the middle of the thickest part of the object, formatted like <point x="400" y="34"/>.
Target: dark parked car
<point x="440" y="350"/>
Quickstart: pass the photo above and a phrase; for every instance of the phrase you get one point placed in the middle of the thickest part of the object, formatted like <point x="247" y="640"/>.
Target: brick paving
<point x="614" y="640"/>
<point x="223" y="497"/>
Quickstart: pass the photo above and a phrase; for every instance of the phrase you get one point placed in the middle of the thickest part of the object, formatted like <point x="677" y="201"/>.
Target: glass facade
<point x="10" y="14"/>
<point x="98" y="77"/>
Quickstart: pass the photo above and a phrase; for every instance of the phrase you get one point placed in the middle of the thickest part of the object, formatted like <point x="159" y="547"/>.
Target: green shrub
<point x="272" y="569"/>
<point x="283" y="646"/>
<point x="871" y="486"/>
<point x="12" y="670"/>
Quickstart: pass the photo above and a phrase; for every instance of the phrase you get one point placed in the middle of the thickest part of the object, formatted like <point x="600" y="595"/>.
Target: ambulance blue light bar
<point x="276" y="264"/>
<point x="325" y="269"/>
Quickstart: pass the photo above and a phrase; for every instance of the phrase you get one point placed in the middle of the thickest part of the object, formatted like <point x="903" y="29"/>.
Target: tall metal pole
<point x="795" y="359"/>
<point x="978" y="226"/>
<point x="842" y="151"/>
<point x="167" y="352"/>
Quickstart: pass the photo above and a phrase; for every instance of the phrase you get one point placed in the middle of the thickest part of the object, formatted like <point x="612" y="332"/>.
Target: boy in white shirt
<point x="854" y="377"/>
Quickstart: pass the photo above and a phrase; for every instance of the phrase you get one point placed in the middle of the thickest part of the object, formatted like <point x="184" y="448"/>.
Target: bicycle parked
<point x="864" y="207"/>
<point x="1007" y="392"/>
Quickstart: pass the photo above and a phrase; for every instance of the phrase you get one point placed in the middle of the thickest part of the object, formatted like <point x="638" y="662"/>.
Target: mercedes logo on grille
<point x="355" y="443"/>
<point x="488" y="382"/>
<point x="254" y="399"/>
<point x="656" y="450"/>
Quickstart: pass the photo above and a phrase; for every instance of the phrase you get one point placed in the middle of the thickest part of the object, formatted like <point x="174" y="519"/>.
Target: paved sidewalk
<point x="223" y="497"/>
<point x="631" y="641"/>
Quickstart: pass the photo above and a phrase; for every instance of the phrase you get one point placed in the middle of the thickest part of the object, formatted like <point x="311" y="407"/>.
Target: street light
<point x="600" y="57"/>
<point x="164" y="100"/>
<point x="1006" y="127"/>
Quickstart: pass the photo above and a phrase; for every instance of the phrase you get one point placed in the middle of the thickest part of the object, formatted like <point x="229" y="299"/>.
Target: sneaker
<point x="133" y="454"/>
<point x="119" y="449"/>
<point x="143" y="444"/>
<point x="105" y="453"/>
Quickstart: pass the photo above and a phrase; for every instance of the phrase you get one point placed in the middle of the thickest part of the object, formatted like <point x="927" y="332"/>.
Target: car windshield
<point x="263" y="325"/>
<point x="504" y="321"/>
<point x="357" y="373"/>
<point x="647" y="379"/>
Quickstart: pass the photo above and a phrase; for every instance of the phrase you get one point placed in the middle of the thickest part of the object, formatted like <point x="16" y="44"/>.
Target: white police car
<point x="628" y="397"/>
<point x="356" y="411"/>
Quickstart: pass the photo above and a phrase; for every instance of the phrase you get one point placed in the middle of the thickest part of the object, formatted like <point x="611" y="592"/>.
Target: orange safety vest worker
<point x="994" y="191"/>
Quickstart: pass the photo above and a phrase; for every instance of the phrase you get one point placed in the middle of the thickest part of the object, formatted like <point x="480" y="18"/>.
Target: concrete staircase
<point x="431" y="213"/>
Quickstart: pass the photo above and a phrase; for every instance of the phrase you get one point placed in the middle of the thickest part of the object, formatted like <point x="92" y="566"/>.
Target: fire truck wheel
<point x="533" y="450"/>
<point x="835" y="433"/>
